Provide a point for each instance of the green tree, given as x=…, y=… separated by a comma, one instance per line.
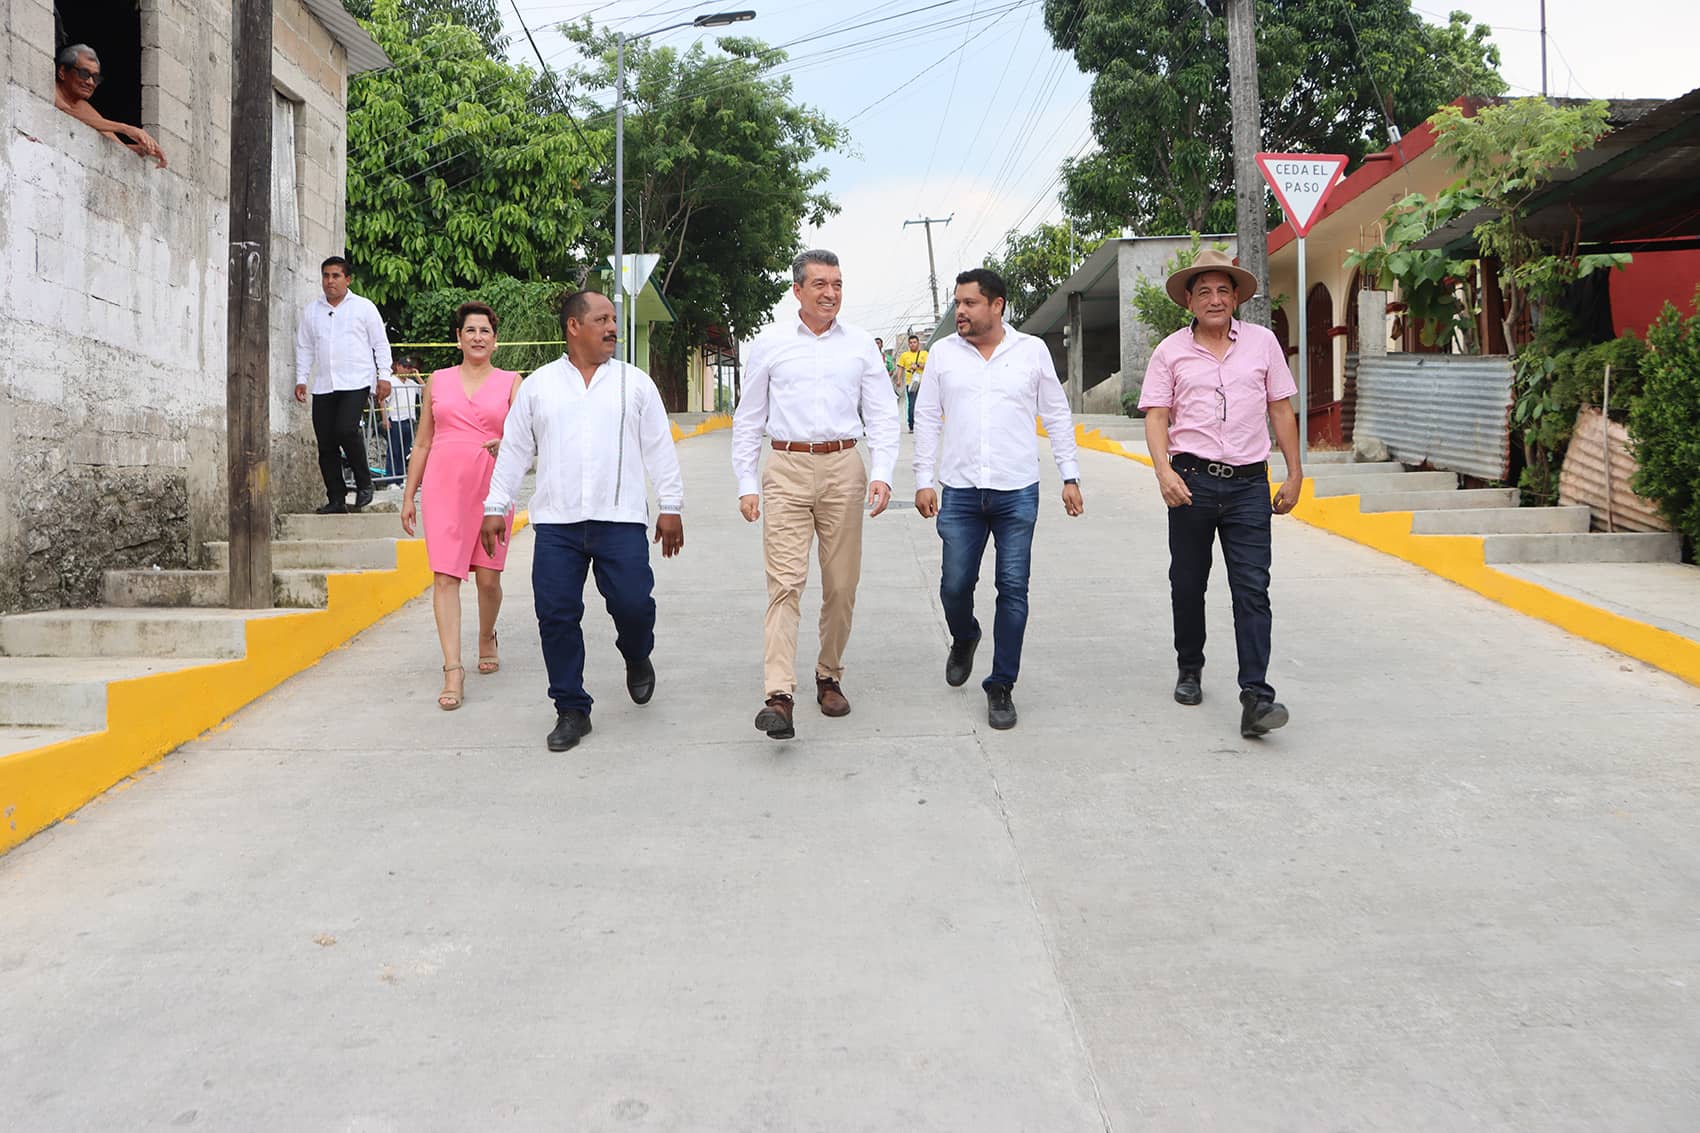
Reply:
x=455, y=174
x=1034, y=263
x=1159, y=96
x=718, y=181
x=1665, y=421
x=484, y=17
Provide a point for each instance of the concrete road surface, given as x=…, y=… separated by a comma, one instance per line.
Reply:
x=1460, y=891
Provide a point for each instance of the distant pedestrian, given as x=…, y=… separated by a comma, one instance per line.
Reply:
x=460, y=433
x=597, y=428
x=1211, y=390
x=341, y=345
x=815, y=386
x=911, y=364
x=400, y=416
x=974, y=438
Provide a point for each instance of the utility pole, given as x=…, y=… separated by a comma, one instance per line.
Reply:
x=247, y=390
x=1251, y=217
x=1543, y=48
x=932, y=271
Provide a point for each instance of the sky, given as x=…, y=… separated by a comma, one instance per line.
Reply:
x=962, y=109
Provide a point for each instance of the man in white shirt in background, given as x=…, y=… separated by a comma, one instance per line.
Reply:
x=974, y=436
x=341, y=345
x=596, y=427
x=815, y=386
x=401, y=413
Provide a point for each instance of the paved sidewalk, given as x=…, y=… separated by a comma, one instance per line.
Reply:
x=1460, y=890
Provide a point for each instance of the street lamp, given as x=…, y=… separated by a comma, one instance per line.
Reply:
x=710, y=20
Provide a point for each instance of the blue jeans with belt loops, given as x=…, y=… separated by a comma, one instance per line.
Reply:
x=967, y=517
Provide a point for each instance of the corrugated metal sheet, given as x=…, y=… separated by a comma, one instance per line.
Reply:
x=1583, y=477
x=1349, y=401
x=1449, y=410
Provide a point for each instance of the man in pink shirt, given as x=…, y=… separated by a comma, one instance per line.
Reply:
x=1210, y=391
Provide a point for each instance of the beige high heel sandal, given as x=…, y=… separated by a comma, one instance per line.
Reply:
x=449, y=700
x=491, y=664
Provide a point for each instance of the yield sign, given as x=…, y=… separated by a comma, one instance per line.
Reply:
x=1302, y=181
x=637, y=267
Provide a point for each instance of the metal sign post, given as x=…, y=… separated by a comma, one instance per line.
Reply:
x=1301, y=182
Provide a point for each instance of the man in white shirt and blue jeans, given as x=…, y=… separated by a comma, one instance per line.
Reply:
x=814, y=385
x=974, y=437
x=596, y=427
x=341, y=345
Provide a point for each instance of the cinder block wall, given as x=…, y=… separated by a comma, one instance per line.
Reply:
x=113, y=280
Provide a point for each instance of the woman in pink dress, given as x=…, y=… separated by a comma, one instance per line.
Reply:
x=454, y=451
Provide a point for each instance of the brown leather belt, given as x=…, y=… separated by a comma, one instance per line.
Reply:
x=817, y=447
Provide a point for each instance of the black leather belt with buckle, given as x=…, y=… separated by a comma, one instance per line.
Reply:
x=1186, y=462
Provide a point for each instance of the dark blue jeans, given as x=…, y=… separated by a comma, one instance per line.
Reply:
x=1236, y=512
x=397, y=450
x=618, y=553
x=966, y=517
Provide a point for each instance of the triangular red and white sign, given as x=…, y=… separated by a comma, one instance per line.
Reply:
x=1302, y=181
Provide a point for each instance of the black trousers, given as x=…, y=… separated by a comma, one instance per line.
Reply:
x=1236, y=512
x=336, y=425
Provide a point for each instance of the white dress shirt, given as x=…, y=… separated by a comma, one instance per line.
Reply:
x=984, y=409
x=803, y=386
x=404, y=398
x=593, y=444
x=341, y=347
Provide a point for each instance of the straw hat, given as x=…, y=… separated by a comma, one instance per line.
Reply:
x=1245, y=284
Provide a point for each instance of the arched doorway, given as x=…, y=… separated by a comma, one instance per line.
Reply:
x=1322, y=411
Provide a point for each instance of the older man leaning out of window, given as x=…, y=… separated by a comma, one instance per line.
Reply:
x=78, y=76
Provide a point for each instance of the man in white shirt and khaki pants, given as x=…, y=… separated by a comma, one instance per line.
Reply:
x=596, y=427
x=974, y=436
x=815, y=386
x=341, y=345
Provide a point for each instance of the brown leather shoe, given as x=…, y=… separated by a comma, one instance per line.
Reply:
x=775, y=718
x=831, y=698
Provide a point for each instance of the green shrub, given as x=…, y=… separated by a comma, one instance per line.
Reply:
x=1130, y=405
x=1664, y=421
x=529, y=312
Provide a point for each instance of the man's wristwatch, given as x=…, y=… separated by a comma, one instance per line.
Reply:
x=1072, y=480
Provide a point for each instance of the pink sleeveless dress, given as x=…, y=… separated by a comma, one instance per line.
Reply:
x=457, y=472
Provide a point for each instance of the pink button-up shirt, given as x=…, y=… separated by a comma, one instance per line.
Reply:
x=1219, y=408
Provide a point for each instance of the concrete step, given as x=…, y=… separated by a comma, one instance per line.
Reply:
x=319, y=554
x=1501, y=521
x=1354, y=484
x=1278, y=470
x=291, y=589
x=1436, y=500
x=1595, y=547
x=70, y=692
x=27, y=738
x=355, y=525
x=1328, y=456
x=134, y=632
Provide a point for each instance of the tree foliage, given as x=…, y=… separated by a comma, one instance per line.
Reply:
x=1160, y=108
x=718, y=180
x=529, y=313
x=484, y=17
x=1036, y=262
x=456, y=175
x=1438, y=290
x=1665, y=421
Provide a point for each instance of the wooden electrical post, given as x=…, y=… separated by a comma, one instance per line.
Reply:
x=1250, y=216
x=248, y=337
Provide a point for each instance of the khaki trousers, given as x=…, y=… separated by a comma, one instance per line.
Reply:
x=805, y=497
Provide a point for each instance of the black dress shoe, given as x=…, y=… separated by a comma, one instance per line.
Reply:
x=338, y=508
x=1000, y=709
x=1260, y=716
x=960, y=664
x=362, y=497
x=775, y=718
x=570, y=727
x=640, y=680
x=1187, y=687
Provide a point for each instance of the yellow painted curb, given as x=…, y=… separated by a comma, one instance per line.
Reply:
x=1461, y=559
x=718, y=421
x=149, y=717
